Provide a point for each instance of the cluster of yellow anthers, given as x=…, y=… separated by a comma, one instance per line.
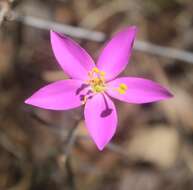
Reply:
x=98, y=83
x=97, y=80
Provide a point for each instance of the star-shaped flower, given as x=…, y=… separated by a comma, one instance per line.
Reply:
x=92, y=85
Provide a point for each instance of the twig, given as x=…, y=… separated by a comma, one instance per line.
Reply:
x=10, y=146
x=64, y=159
x=71, y=137
x=70, y=174
x=69, y=142
x=43, y=24
x=168, y=52
x=96, y=36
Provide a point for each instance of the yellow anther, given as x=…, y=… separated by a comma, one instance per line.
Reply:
x=95, y=70
x=122, y=88
x=96, y=80
x=121, y=91
x=102, y=73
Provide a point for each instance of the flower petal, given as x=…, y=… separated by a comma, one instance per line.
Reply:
x=116, y=53
x=139, y=90
x=74, y=60
x=60, y=95
x=101, y=119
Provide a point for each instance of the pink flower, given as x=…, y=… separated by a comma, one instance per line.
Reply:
x=93, y=85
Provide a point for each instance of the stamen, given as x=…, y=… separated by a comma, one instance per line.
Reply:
x=121, y=91
x=102, y=73
x=97, y=80
x=95, y=70
x=122, y=88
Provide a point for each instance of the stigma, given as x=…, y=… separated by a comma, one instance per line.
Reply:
x=97, y=80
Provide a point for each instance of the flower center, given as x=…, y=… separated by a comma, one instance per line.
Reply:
x=97, y=80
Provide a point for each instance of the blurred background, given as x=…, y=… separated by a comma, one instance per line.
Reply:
x=153, y=146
